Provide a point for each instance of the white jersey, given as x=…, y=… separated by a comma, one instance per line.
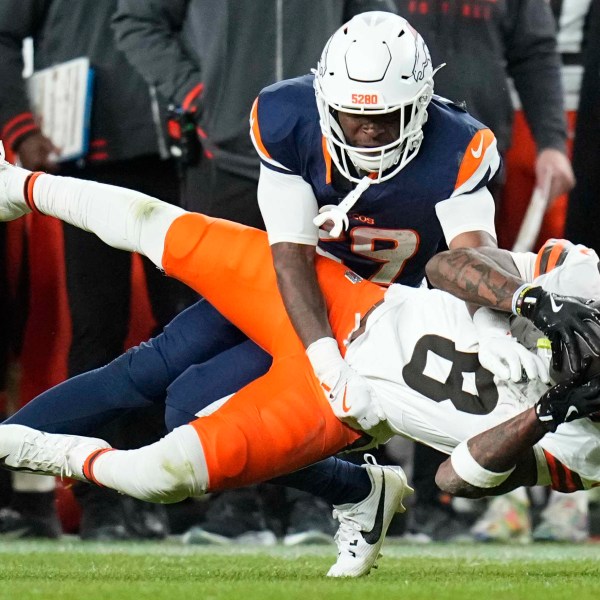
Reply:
x=419, y=351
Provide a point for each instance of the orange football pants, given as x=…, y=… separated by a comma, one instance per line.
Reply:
x=282, y=421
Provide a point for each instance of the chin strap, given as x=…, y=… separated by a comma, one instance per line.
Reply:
x=337, y=214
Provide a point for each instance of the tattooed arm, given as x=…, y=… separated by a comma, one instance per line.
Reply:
x=483, y=276
x=487, y=279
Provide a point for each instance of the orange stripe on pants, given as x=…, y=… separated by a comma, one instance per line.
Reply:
x=282, y=421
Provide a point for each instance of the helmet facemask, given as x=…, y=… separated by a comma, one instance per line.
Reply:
x=375, y=64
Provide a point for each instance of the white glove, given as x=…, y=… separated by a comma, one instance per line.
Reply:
x=501, y=353
x=352, y=399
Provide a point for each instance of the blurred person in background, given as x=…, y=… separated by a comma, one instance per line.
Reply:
x=584, y=203
x=540, y=514
x=566, y=517
x=127, y=148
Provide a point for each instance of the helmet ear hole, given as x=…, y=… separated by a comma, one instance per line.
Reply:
x=377, y=64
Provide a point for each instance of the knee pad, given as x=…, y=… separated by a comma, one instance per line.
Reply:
x=227, y=451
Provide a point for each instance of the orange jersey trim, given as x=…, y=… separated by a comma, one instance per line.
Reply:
x=552, y=254
x=327, y=159
x=474, y=155
x=256, y=129
x=563, y=479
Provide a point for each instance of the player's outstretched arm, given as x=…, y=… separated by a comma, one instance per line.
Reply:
x=490, y=278
x=501, y=459
x=485, y=277
x=487, y=274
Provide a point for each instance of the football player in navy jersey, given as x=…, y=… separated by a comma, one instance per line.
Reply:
x=401, y=169
x=403, y=341
x=362, y=162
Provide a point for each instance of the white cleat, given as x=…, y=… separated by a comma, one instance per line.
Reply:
x=363, y=525
x=33, y=451
x=12, y=182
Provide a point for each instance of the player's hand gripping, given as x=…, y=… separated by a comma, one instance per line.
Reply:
x=501, y=353
x=569, y=400
x=352, y=399
x=562, y=319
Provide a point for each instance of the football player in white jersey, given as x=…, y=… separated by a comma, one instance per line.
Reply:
x=530, y=448
x=418, y=348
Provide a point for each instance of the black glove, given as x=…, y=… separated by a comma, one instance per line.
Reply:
x=569, y=400
x=562, y=319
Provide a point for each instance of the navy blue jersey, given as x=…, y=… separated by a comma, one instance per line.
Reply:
x=394, y=227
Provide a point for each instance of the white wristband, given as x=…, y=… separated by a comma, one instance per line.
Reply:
x=469, y=470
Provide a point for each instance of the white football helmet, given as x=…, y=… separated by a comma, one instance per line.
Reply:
x=376, y=63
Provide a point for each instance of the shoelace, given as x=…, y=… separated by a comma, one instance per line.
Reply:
x=47, y=455
x=348, y=527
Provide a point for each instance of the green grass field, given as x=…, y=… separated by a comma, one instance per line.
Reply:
x=72, y=570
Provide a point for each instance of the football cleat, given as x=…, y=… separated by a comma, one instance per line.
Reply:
x=566, y=518
x=233, y=517
x=363, y=525
x=12, y=182
x=506, y=519
x=310, y=522
x=32, y=451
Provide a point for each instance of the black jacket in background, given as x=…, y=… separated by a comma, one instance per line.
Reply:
x=482, y=43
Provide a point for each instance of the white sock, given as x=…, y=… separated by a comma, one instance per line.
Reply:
x=122, y=218
x=167, y=471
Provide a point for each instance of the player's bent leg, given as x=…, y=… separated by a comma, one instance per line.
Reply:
x=122, y=218
x=363, y=525
x=232, y=267
x=167, y=471
x=277, y=424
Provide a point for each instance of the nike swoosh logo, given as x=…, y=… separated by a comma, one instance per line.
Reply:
x=477, y=153
x=372, y=537
x=572, y=411
x=555, y=307
x=345, y=407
